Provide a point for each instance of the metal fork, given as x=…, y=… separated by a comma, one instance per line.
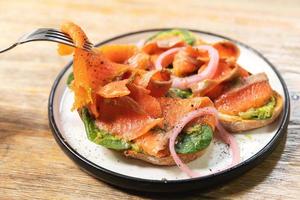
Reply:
x=47, y=34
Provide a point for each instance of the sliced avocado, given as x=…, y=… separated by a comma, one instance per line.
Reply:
x=99, y=136
x=196, y=138
x=183, y=94
x=185, y=35
x=70, y=79
x=263, y=112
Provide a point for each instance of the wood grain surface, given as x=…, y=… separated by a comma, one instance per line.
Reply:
x=32, y=166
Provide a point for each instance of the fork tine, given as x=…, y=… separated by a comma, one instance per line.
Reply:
x=59, y=34
x=44, y=32
x=64, y=34
x=60, y=40
x=56, y=32
x=87, y=47
x=67, y=41
x=48, y=34
x=52, y=39
x=59, y=37
x=88, y=42
x=53, y=35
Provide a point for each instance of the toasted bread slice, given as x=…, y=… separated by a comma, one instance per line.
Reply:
x=166, y=161
x=235, y=123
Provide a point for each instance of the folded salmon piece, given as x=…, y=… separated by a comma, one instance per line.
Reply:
x=118, y=53
x=155, y=142
x=157, y=47
x=126, y=54
x=140, y=60
x=92, y=71
x=252, y=92
x=185, y=62
x=77, y=35
x=147, y=102
x=95, y=74
x=124, y=118
x=227, y=49
x=158, y=82
x=190, y=60
x=226, y=71
x=115, y=89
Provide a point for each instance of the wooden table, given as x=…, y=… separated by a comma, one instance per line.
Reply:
x=32, y=166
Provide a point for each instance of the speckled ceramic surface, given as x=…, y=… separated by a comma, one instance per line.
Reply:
x=251, y=143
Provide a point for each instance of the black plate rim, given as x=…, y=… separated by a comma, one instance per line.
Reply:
x=90, y=167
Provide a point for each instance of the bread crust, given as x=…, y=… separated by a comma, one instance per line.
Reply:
x=237, y=124
x=164, y=161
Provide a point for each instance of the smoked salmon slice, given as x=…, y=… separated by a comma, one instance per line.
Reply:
x=253, y=93
x=125, y=118
x=91, y=72
x=227, y=70
x=147, y=102
x=227, y=49
x=158, y=82
x=64, y=50
x=185, y=62
x=118, y=53
x=175, y=108
x=157, y=47
x=140, y=60
x=77, y=35
x=155, y=141
x=114, y=89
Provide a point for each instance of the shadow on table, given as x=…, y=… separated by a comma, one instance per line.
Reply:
x=240, y=185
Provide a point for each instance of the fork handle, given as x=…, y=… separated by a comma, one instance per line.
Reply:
x=10, y=47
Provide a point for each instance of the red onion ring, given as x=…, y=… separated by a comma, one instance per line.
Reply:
x=224, y=135
x=161, y=57
x=208, y=72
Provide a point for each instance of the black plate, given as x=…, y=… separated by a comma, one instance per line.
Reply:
x=139, y=184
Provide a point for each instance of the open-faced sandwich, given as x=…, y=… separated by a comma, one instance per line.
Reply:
x=164, y=100
x=244, y=101
x=248, y=103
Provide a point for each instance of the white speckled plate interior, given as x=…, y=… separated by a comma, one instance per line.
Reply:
x=217, y=155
